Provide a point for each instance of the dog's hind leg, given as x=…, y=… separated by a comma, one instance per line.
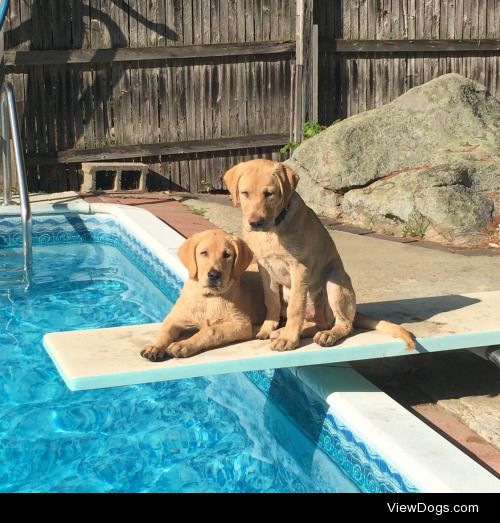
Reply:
x=342, y=300
x=318, y=314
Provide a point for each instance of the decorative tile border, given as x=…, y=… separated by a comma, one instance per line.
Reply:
x=357, y=460
x=93, y=228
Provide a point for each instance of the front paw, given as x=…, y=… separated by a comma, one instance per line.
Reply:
x=154, y=353
x=182, y=349
x=267, y=327
x=276, y=334
x=326, y=338
x=285, y=342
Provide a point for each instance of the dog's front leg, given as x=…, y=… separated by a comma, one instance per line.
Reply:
x=289, y=336
x=273, y=304
x=170, y=330
x=210, y=337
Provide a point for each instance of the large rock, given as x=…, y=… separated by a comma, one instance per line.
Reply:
x=426, y=164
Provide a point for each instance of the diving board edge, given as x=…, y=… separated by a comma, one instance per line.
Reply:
x=201, y=365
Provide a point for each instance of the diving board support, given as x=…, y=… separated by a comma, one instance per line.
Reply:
x=110, y=357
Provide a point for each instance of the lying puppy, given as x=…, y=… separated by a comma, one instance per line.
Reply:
x=213, y=300
x=300, y=267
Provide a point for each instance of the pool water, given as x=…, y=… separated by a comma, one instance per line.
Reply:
x=216, y=434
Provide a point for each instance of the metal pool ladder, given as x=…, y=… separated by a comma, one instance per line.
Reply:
x=10, y=128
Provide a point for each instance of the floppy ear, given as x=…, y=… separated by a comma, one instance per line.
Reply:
x=244, y=256
x=187, y=255
x=288, y=181
x=231, y=179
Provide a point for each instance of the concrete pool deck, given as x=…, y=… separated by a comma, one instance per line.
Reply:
x=441, y=389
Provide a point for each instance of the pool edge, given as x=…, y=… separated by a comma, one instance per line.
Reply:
x=431, y=462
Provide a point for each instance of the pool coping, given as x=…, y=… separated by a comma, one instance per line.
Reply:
x=425, y=458
x=160, y=238
x=406, y=443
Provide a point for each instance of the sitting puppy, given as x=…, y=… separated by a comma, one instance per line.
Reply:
x=302, y=273
x=213, y=300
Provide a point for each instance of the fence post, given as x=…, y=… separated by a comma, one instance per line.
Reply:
x=303, y=92
x=299, y=64
x=314, y=74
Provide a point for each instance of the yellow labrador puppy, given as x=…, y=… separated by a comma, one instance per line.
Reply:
x=300, y=267
x=215, y=299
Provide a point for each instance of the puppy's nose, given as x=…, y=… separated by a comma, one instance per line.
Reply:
x=214, y=275
x=255, y=223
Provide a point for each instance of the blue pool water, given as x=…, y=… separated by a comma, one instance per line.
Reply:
x=217, y=434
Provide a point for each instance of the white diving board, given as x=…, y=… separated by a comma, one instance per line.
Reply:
x=110, y=357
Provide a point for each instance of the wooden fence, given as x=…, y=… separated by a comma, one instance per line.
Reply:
x=191, y=87
x=188, y=86
x=371, y=51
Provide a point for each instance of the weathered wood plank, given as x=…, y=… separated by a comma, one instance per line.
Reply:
x=187, y=22
x=266, y=20
x=15, y=59
x=297, y=106
x=314, y=73
x=160, y=149
x=232, y=21
x=205, y=21
x=380, y=88
x=426, y=34
x=257, y=16
x=409, y=46
x=227, y=108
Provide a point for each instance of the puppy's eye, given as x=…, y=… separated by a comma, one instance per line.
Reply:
x=245, y=194
x=226, y=254
x=204, y=253
x=268, y=194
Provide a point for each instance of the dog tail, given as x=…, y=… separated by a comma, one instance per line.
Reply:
x=386, y=327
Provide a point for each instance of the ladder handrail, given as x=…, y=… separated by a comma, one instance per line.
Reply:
x=8, y=122
x=4, y=7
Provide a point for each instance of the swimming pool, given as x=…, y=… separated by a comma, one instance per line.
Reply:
x=254, y=432
x=200, y=434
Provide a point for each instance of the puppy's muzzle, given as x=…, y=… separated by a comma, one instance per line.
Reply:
x=214, y=278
